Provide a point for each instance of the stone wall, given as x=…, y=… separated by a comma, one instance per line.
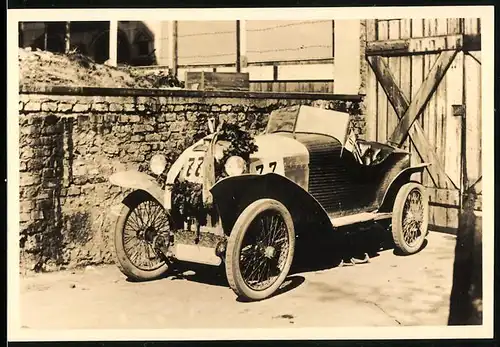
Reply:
x=70, y=144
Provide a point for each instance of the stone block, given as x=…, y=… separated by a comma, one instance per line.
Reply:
x=129, y=107
x=177, y=126
x=114, y=107
x=49, y=106
x=241, y=117
x=74, y=190
x=32, y=106
x=25, y=206
x=134, y=119
x=25, y=216
x=153, y=137
x=100, y=107
x=137, y=138
x=28, y=179
x=170, y=117
x=78, y=108
x=64, y=107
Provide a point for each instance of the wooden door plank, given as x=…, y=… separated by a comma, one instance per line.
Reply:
x=471, y=25
x=473, y=122
x=453, y=131
x=371, y=84
x=382, y=34
x=405, y=84
x=419, y=45
x=439, y=102
x=417, y=76
x=423, y=95
x=453, y=26
x=443, y=196
x=395, y=67
x=400, y=103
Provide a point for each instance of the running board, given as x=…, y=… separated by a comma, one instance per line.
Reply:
x=196, y=254
x=358, y=218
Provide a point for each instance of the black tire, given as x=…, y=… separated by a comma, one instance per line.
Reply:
x=409, y=227
x=272, y=250
x=127, y=221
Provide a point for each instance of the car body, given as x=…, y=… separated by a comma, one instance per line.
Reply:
x=308, y=172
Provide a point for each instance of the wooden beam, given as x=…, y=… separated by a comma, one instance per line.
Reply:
x=238, y=46
x=241, y=45
x=172, y=47
x=113, y=42
x=67, y=37
x=422, y=97
x=400, y=103
x=21, y=34
x=45, y=36
x=423, y=45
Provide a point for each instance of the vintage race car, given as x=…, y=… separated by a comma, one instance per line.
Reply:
x=307, y=173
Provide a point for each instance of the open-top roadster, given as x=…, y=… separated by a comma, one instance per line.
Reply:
x=305, y=172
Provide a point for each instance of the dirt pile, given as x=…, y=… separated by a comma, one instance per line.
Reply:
x=55, y=69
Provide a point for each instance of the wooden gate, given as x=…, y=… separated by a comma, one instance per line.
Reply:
x=424, y=94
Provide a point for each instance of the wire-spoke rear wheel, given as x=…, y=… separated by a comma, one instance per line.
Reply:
x=410, y=218
x=142, y=221
x=260, y=249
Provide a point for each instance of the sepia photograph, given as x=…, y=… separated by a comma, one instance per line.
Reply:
x=250, y=173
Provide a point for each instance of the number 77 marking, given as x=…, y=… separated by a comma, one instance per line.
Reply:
x=272, y=165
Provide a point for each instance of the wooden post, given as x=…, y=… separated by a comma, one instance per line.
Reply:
x=238, y=45
x=347, y=78
x=45, y=36
x=371, y=87
x=241, y=45
x=21, y=35
x=173, y=47
x=67, y=38
x=113, y=42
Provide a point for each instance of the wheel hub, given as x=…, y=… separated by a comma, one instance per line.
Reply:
x=147, y=234
x=269, y=252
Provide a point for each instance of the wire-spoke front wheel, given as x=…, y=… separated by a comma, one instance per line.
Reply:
x=141, y=222
x=260, y=249
x=410, y=218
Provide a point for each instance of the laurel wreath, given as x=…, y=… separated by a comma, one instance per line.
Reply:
x=187, y=197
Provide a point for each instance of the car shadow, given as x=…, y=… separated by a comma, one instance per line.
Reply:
x=320, y=251
x=328, y=250
x=290, y=283
x=398, y=252
x=199, y=273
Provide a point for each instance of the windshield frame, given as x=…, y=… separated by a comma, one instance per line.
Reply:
x=287, y=113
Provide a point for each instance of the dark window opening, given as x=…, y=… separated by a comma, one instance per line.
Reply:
x=142, y=47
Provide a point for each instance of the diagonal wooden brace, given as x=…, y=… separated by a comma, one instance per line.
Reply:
x=401, y=106
x=422, y=96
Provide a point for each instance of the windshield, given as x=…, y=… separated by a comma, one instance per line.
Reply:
x=282, y=120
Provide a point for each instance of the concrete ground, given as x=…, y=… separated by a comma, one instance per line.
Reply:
x=390, y=290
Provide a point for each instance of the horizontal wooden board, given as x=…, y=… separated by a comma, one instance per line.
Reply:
x=444, y=196
x=292, y=86
x=217, y=80
x=423, y=45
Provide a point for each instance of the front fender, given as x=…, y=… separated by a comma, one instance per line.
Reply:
x=403, y=177
x=231, y=196
x=139, y=181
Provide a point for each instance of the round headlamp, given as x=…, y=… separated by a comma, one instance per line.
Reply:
x=235, y=166
x=218, y=152
x=158, y=163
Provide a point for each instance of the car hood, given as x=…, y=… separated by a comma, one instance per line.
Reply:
x=278, y=145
